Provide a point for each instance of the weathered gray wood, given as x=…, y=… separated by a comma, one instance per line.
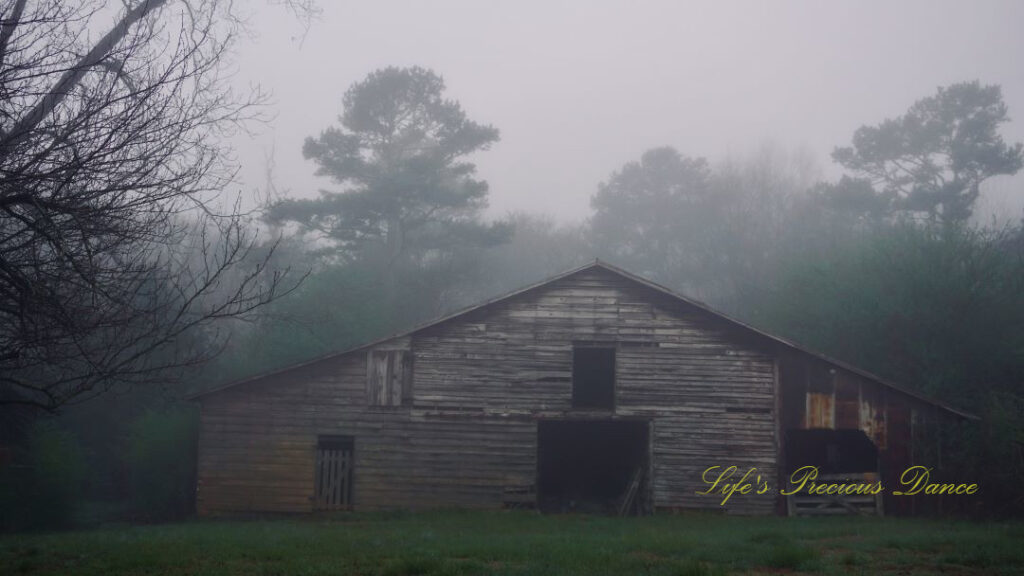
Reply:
x=395, y=369
x=448, y=416
x=318, y=482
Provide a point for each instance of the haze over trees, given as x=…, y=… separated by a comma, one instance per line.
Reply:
x=648, y=212
x=932, y=160
x=409, y=209
x=114, y=261
x=409, y=193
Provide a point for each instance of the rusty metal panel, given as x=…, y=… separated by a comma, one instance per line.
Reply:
x=872, y=414
x=847, y=401
x=819, y=399
x=820, y=410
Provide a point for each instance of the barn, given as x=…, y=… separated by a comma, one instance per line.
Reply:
x=593, y=390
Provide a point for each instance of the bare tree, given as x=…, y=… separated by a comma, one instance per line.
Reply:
x=114, y=263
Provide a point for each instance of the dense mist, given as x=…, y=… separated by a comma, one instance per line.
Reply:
x=195, y=193
x=579, y=88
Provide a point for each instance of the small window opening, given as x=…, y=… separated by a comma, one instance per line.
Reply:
x=335, y=462
x=389, y=377
x=593, y=377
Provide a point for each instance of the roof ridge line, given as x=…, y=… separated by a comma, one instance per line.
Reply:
x=596, y=263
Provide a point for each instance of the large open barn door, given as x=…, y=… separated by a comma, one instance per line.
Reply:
x=593, y=466
x=334, y=467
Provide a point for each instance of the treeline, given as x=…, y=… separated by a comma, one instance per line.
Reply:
x=887, y=268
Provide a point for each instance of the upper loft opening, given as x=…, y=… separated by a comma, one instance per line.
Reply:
x=593, y=377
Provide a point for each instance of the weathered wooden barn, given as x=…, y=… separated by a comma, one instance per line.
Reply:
x=592, y=390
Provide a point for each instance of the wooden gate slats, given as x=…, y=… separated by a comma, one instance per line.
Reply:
x=333, y=478
x=826, y=504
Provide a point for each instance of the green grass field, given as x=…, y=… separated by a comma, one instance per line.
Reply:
x=467, y=543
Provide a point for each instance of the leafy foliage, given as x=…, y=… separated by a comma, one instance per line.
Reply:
x=400, y=154
x=43, y=491
x=715, y=235
x=936, y=307
x=337, y=307
x=646, y=214
x=161, y=459
x=540, y=247
x=931, y=160
x=935, y=303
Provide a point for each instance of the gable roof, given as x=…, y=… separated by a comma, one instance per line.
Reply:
x=600, y=265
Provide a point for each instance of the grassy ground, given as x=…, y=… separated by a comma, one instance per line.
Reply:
x=465, y=543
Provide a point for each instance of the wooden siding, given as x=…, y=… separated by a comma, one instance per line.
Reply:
x=481, y=382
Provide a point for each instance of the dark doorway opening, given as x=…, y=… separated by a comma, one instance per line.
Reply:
x=593, y=377
x=832, y=451
x=844, y=456
x=597, y=466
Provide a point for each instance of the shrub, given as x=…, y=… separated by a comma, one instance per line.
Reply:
x=161, y=462
x=41, y=488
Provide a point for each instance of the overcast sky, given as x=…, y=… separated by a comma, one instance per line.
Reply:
x=579, y=88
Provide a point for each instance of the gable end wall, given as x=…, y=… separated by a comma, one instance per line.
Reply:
x=481, y=382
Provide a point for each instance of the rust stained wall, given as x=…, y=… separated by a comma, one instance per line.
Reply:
x=847, y=402
x=820, y=411
x=905, y=429
x=872, y=414
x=831, y=398
x=816, y=396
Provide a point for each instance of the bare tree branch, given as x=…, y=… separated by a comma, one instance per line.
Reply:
x=115, y=264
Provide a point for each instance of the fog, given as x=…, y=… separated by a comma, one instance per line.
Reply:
x=579, y=88
x=842, y=176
